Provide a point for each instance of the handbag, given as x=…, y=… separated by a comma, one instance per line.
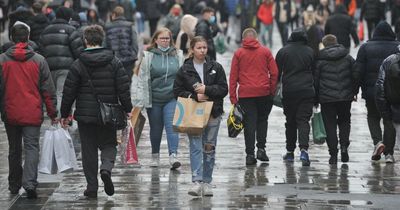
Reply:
x=235, y=121
x=112, y=115
x=318, y=128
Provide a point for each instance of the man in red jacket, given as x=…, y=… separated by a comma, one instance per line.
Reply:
x=25, y=85
x=254, y=70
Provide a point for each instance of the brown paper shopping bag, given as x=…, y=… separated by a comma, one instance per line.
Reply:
x=137, y=122
x=190, y=116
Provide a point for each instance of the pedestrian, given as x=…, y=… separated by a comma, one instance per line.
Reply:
x=209, y=77
x=173, y=20
x=373, y=11
x=336, y=89
x=387, y=95
x=369, y=59
x=25, y=74
x=285, y=10
x=186, y=33
x=254, y=76
x=296, y=61
x=38, y=22
x=341, y=25
x=265, y=15
x=121, y=37
x=157, y=73
x=207, y=28
x=107, y=74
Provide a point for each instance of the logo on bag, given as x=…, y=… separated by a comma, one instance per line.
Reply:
x=179, y=107
x=200, y=111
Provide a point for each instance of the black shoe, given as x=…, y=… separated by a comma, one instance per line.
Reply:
x=31, y=194
x=90, y=194
x=289, y=157
x=14, y=190
x=108, y=184
x=344, y=154
x=261, y=155
x=333, y=160
x=250, y=160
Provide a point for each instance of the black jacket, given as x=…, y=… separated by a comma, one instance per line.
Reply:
x=77, y=44
x=370, y=57
x=55, y=45
x=108, y=77
x=214, y=79
x=37, y=23
x=121, y=37
x=341, y=25
x=208, y=31
x=296, y=62
x=334, y=75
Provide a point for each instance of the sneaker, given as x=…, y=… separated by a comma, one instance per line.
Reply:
x=196, y=189
x=250, y=160
x=344, y=155
x=389, y=158
x=108, y=184
x=333, y=159
x=289, y=156
x=90, y=194
x=31, y=194
x=304, y=158
x=207, y=189
x=379, y=147
x=14, y=190
x=261, y=155
x=155, y=160
x=173, y=161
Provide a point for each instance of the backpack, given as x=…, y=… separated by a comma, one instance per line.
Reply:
x=392, y=82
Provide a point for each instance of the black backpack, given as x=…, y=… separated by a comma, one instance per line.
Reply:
x=392, y=82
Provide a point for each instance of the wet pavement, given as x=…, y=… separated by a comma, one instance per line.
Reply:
x=359, y=184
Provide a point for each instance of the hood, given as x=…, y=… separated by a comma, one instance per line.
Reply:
x=20, y=52
x=188, y=23
x=40, y=18
x=334, y=52
x=171, y=51
x=298, y=35
x=383, y=31
x=96, y=57
x=250, y=43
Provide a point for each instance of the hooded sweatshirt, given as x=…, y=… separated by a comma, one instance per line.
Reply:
x=25, y=79
x=254, y=70
x=164, y=66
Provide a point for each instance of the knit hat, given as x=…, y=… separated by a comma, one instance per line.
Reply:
x=64, y=13
x=329, y=40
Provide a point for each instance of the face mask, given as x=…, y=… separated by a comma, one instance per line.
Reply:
x=212, y=19
x=164, y=49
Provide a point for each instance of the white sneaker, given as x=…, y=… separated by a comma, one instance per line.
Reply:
x=389, y=158
x=196, y=189
x=207, y=189
x=173, y=161
x=155, y=160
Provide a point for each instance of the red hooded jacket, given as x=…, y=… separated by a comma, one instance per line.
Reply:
x=25, y=84
x=264, y=13
x=254, y=70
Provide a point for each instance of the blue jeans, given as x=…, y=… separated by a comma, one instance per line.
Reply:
x=266, y=30
x=202, y=160
x=160, y=116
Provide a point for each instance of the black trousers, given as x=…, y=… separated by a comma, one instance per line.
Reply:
x=336, y=114
x=374, y=125
x=298, y=112
x=283, y=29
x=256, y=110
x=94, y=137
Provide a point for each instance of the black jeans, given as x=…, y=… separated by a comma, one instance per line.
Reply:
x=374, y=125
x=336, y=114
x=94, y=137
x=283, y=29
x=298, y=112
x=256, y=110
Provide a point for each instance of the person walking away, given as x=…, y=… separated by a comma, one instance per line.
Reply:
x=265, y=15
x=211, y=86
x=296, y=62
x=25, y=74
x=109, y=78
x=373, y=11
x=254, y=76
x=158, y=70
x=336, y=89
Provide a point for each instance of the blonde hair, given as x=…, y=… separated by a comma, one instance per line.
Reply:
x=153, y=43
x=248, y=31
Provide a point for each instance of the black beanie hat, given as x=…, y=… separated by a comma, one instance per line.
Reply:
x=64, y=13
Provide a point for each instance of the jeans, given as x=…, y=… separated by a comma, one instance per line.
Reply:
x=17, y=176
x=374, y=125
x=336, y=114
x=59, y=77
x=298, y=112
x=256, y=111
x=160, y=116
x=202, y=152
x=93, y=138
x=266, y=30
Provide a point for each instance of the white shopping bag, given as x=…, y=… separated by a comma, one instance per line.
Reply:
x=47, y=162
x=64, y=150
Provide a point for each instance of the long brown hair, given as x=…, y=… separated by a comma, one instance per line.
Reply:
x=153, y=43
x=193, y=43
